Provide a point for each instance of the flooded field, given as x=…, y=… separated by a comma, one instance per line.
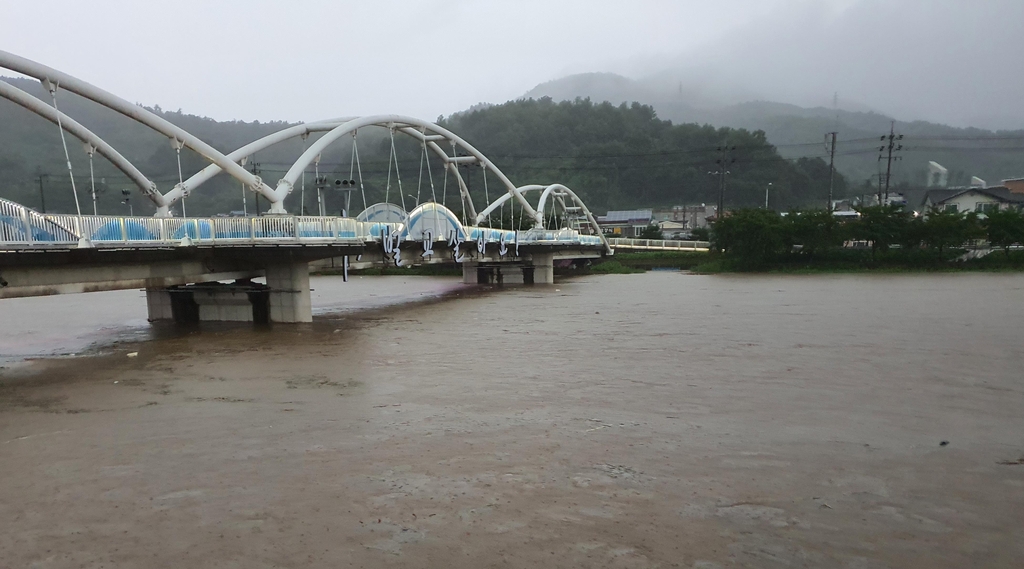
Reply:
x=653, y=420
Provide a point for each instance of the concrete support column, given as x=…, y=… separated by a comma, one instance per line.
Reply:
x=510, y=274
x=543, y=268
x=469, y=273
x=158, y=304
x=224, y=305
x=289, y=293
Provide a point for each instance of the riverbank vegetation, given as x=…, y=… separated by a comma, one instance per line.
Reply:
x=882, y=238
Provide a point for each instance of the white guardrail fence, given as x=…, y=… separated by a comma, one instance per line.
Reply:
x=658, y=244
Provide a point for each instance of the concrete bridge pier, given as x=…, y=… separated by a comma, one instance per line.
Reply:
x=289, y=292
x=543, y=265
x=241, y=301
x=471, y=273
x=494, y=273
x=285, y=298
x=540, y=270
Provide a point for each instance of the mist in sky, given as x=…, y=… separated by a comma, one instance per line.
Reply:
x=942, y=60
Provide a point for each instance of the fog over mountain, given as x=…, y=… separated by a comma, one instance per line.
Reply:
x=944, y=61
x=940, y=69
x=948, y=61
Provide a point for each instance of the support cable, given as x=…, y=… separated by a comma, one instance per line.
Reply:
x=487, y=197
x=302, y=194
x=359, y=168
x=92, y=177
x=430, y=174
x=391, y=157
x=398, y=174
x=319, y=186
x=245, y=211
x=419, y=184
x=53, y=94
x=181, y=179
x=444, y=190
x=458, y=176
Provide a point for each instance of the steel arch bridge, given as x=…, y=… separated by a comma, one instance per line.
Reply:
x=427, y=221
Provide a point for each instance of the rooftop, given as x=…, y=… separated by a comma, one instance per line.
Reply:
x=627, y=215
x=1000, y=193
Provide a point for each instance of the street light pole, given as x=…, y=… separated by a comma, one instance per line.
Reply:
x=766, y=194
x=128, y=201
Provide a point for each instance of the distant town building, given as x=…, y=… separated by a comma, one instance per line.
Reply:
x=691, y=216
x=626, y=223
x=1015, y=185
x=673, y=229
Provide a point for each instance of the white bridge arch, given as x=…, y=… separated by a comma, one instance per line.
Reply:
x=430, y=135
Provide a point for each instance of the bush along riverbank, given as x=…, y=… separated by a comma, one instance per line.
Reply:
x=882, y=238
x=861, y=261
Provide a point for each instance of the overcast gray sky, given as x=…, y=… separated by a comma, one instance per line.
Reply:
x=309, y=59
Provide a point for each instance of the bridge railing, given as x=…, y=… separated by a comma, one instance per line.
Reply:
x=22, y=227
x=25, y=227
x=558, y=236
x=659, y=244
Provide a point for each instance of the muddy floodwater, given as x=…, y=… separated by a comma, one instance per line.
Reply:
x=654, y=420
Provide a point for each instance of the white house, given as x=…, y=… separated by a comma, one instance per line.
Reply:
x=978, y=200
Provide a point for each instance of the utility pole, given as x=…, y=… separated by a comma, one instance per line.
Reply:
x=723, y=162
x=892, y=146
x=255, y=168
x=831, y=168
x=42, y=194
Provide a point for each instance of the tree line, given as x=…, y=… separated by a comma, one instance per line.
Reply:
x=759, y=237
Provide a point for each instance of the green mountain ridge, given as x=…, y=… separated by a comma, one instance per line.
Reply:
x=800, y=132
x=613, y=156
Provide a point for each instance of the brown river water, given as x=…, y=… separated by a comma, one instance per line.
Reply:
x=655, y=420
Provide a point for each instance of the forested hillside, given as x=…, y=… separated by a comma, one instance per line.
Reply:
x=625, y=156
x=614, y=156
x=799, y=132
